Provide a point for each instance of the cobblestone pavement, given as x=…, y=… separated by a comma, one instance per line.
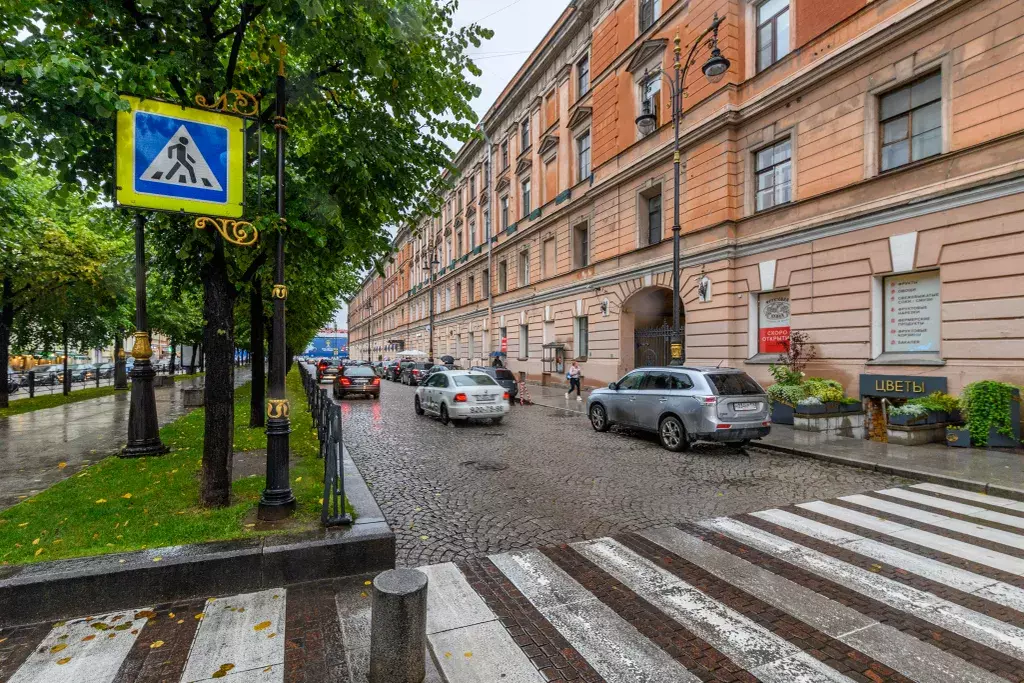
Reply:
x=544, y=476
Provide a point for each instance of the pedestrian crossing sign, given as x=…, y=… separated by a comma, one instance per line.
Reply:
x=174, y=158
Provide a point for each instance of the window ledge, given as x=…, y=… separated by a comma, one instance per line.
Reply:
x=891, y=358
x=763, y=359
x=521, y=358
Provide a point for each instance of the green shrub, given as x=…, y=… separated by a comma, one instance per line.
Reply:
x=849, y=400
x=785, y=375
x=909, y=409
x=830, y=394
x=816, y=386
x=790, y=394
x=937, y=402
x=987, y=404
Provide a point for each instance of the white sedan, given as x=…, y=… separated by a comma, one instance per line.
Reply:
x=460, y=395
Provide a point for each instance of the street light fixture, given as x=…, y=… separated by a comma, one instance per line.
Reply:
x=714, y=70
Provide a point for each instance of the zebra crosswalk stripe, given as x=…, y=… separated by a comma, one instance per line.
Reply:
x=984, y=498
x=952, y=506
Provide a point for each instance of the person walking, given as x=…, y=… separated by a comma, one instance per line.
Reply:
x=574, y=380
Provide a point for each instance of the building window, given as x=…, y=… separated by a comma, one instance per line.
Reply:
x=504, y=155
x=548, y=257
x=472, y=346
x=487, y=173
x=503, y=203
x=471, y=288
x=485, y=282
x=583, y=156
x=458, y=244
x=524, y=342
x=472, y=188
x=912, y=314
x=458, y=294
x=581, y=337
x=646, y=14
x=650, y=97
x=911, y=122
x=773, y=322
x=487, y=224
x=650, y=216
x=458, y=200
x=503, y=339
x=526, y=197
x=502, y=277
x=524, y=140
x=773, y=171
x=772, y=32
x=581, y=245
x=524, y=268
x=582, y=76
x=472, y=234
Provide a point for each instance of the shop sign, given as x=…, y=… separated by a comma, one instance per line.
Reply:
x=773, y=322
x=900, y=386
x=504, y=344
x=912, y=313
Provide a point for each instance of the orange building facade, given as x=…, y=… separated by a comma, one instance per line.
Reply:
x=857, y=175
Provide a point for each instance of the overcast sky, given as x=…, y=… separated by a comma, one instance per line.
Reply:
x=518, y=26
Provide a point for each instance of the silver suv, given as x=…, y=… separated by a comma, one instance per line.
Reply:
x=683, y=405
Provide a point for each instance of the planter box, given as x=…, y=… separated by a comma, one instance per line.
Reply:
x=193, y=397
x=905, y=420
x=917, y=435
x=809, y=409
x=850, y=408
x=782, y=413
x=958, y=438
x=832, y=406
x=840, y=424
x=997, y=440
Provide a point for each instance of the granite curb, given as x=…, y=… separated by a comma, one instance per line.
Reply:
x=54, y=590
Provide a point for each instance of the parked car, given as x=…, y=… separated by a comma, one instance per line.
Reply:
x=413, y=373
x=683, y=405
x=458, y=396
x=356, y=379
x=47, y=375
x=326, y=370
x=12, y=382
x=106, y=370
x=506, y=378
x=395, y=371
x=387, y=369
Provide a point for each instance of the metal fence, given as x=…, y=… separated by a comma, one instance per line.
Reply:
x=327, y=423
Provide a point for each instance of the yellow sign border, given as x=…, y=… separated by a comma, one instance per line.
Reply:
x=125, y=163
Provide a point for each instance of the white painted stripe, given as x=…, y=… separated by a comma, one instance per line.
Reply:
x=245, y=632
x=481, y=652
x=451, y=601
x=972, y=496
x=940, y=572
x=965, y=622
x=958, y=508
x=912, y=657
x=746, y=643
x=950, y=546
x=90, y=649
x=610, y=644
x=941, y=521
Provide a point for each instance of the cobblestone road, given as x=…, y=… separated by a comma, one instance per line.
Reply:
x=544, y=476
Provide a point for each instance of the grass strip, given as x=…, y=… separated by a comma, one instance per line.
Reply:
x=118, y=505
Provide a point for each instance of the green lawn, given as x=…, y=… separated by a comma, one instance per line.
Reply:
x=27, y=405
x=130, y=504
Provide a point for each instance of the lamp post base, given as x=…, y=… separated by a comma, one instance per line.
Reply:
x=277, y=500
x=143, y=429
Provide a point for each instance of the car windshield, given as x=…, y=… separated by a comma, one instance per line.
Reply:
x=504, y=374
x=734, y=384
x=473, y=381
x=359, y=371
x=420, y=366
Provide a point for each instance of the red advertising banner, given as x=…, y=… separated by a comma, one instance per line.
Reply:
x=773, y=322
x=504, y=344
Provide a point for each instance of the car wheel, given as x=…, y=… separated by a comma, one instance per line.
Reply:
x=672, y=434
x=416, y=404
x=599, y=418
x=444, y=415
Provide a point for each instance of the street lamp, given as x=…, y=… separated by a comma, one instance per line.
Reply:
x=714, y=70
x=430, y=325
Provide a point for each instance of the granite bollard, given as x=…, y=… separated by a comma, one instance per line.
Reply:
x=398, y=627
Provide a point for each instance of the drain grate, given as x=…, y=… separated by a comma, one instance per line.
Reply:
x=486, y=465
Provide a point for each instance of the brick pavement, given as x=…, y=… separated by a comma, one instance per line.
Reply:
x=545, y=477
x=726, y=599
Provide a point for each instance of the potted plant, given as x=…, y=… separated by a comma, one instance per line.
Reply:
x=992, y=411
x=908, y=414
x=850, y=405
x=785, y=393
x=939, y=406
x=812, y=405
x=958, y=437
x=831, y=396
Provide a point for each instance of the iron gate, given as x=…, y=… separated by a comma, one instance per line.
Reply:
x=653, y=346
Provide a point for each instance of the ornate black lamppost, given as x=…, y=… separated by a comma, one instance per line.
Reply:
x=714, y=70
x=430, y=325
x=277, y=501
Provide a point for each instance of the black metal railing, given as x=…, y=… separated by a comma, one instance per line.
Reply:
x=327, y=423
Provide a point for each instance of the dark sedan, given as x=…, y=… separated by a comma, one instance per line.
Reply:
x=413, y=373
x=506, y=378
x=357, y=379
x=327, y=370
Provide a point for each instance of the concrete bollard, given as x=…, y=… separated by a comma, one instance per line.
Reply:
x=398, y=627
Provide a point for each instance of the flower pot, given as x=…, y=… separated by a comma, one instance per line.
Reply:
x=782, y=414
x=832, y=406
x=850, y=407
x=997, y=440
x=937, y=417
x=958, y=437
x=809, y=409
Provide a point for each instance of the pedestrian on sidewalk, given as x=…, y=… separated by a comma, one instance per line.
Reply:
x=574, y=380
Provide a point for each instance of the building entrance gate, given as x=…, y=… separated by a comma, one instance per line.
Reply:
x=653, y=346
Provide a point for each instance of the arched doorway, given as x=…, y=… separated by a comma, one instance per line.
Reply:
x=645, y=328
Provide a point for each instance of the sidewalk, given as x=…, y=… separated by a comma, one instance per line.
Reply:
x=996, y=472
x=34, y=444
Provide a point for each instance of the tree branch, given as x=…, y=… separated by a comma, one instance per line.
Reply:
x=248, y=14
x=254, y=266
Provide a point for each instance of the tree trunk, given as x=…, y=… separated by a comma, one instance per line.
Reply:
x=202, y=352
x=67, y=373
x=257, y=416
x=174, y=356
x=218, y=341
x=6, y=323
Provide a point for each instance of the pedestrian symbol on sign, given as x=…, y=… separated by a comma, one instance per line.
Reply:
x=181, y=162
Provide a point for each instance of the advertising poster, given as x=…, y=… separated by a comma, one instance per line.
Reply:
x=912, y=313
x=773, y=322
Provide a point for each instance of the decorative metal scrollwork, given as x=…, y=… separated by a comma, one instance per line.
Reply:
x=239, y=233
x=277, y=408
x=279, y=292
x=244, y=103
x=141, y=350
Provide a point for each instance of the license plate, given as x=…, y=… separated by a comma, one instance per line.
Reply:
x=746, y=406
x=360, y=381
x=485, y=409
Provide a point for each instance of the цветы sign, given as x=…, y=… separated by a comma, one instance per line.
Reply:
x=900, y=386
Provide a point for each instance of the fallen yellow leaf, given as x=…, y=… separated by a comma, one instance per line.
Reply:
x=155, y=644
x=467, y=655
x=61, y=465
x=127, y=495
x=64, y=661
x=89, y=637
x=171, y=615
x=200, y=615
x=39, y=551
x=298, y=479
x=23, y=524
x=58, y=647
x=367, y=583
x=102, y=500
x=35, y=542
x=260, y=626
x=157, y=558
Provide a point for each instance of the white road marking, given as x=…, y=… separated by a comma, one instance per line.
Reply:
x=481, y=652
x=940, y=572
x=965, y=622
x=90, y=649
x=958, y=508
x=972, y=496
x=927, y=539
x=610, y=644
x=451, y=601
x=912, y=657
x=241, y=635
x=941, y=521
x=746, y=643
